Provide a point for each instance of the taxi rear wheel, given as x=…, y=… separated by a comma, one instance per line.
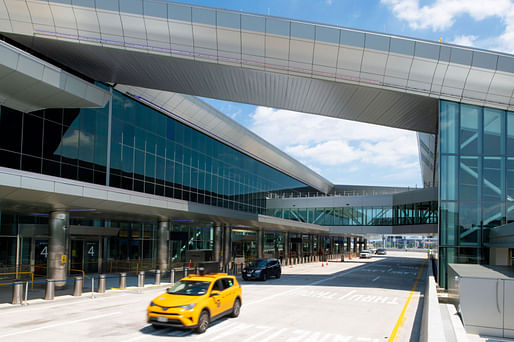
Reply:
x=236, y=308
x=203, y=322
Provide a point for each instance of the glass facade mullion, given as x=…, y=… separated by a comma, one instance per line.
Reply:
x=476, y=180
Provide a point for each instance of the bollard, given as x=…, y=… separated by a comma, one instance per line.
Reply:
x=77, y=287
x=101, y=283
x=50, y=289
x=157, y=277
x=123, y=280
x=17, y=291
x=172, y=276
x=185, y=271
x=26, y=292
x=141, y=279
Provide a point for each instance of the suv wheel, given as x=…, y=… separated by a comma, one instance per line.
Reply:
x=264, y=276
x=203, y=322
x=236, y=308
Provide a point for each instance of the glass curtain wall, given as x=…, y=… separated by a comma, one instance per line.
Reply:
x=476, y=180
x=150, y=152
x=414, y=213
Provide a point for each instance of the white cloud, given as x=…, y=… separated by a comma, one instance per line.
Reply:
x=442, y=14
x=335, y=148
x=465, y=40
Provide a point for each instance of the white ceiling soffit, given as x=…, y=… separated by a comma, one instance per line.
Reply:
x=203, y=117
x=262, y=60
x=22, y=191
x=28, y=83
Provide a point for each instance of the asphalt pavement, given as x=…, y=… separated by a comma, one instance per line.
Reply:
x=377, y=299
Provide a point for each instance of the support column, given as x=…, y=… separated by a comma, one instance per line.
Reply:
x=162, y=246
x=217, y=243
x=58, y=236
x=299, y=246
x=360, y=245
x=355, y=245
x=311, y=245
x=286, y=248
x=348, y=244
x=365, y=243
x=260, y=243
x=227, y=246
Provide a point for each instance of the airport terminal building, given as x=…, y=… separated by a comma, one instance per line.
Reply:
x=109, y=160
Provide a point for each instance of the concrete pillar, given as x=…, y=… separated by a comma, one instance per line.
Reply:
x=365, y=244
x=286, y=246
x=360, y=244
x=348, y=244
x=299, y=245
x=162, y=246
x=260, y=243
x=355, y=245
x=227, y=246
x=58, y=236
x=217, y=243
x=311, y=244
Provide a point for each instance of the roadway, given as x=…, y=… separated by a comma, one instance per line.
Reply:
x=360, y=300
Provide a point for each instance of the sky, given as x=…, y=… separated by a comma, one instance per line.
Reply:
x=346, y=152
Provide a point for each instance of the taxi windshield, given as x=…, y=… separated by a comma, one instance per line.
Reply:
x=190, y=288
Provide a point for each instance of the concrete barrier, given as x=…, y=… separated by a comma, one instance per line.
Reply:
x=432, y=329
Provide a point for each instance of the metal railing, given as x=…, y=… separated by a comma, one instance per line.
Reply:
x=17, y=277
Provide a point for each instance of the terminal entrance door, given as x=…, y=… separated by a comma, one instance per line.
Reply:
x=84, y=255
x=40, y=257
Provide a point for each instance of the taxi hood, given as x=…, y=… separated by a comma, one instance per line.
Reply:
x=169, y=300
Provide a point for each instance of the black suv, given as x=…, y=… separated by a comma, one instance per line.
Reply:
x=262, y=269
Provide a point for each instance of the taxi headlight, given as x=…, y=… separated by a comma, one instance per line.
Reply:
x=188, y=307
x=153, y=304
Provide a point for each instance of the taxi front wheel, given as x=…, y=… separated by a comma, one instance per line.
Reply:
x=203, y=322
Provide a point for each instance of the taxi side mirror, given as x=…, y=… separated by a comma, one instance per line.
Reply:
x=215, y=293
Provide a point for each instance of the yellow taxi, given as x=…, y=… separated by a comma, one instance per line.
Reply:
x=195, y=301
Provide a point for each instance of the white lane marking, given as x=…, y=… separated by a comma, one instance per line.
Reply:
x=276, y=333
x=263, y=331
x=59, y=324
x=299, y=335
x=348, y=294
x=232, y=330
x=375, y=279
x=214, y=329
x=337, y=275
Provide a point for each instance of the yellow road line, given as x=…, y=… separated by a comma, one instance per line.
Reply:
x=401, y=319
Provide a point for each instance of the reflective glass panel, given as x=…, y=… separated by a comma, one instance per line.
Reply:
x=470, y=129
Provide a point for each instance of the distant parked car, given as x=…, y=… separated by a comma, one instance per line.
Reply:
x=262, y=269
x=365, y=254
x=381, y=251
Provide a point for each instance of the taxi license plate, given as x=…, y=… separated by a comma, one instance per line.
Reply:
x=162, y=319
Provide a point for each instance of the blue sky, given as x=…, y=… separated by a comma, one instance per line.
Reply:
x=347, y=152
